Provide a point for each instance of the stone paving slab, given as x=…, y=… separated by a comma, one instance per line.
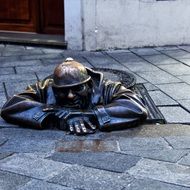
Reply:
x=185, y=61
x=5, y=155
x=166, y=48
x=180, y=116
x=185, y=78
x=185, y=160
x=5, y=60
x=160, y=59
x=18, y=87
x=162, y=171
x=22, y=52
x=176, y=69
x=140, y=67
x=38, y=68
x=178, y=91
x=7, y=71
x=2, y=99
x=158, y=77
x=124, y=57
x=11, y=47
x=179, y=142
x=186, y=48
x=103, y=61
x=20, y=63
x=89, y=179
x=11, y=181
x=185, y=104
x=41, y=56
x=43, y=185
x=168, y=155
x=26, y=145
x=142, y=144
x=148, y=184
x=150, y=87
x=32, y=166
x=178, y=54
x=144, y=51
x=161, y=99
x=102, y=160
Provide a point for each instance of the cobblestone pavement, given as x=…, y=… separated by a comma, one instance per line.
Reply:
x=145, y=157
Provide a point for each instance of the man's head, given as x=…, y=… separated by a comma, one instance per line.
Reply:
x=71, y=84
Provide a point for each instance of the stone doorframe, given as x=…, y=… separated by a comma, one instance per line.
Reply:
x=73, y=24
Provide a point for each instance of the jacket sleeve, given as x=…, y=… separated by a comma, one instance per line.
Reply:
x=26, y=109
x=122, y=108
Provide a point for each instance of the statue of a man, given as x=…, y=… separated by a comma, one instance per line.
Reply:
x=75, y=99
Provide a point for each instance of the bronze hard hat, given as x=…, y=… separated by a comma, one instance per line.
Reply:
x=70, y=73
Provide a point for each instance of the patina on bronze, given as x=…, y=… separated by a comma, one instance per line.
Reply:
x=76, y=99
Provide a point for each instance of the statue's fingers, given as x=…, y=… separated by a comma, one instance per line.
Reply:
x=90, y=125
x=59, y=114
x=83, y=127
x=71, y=128
x=77, y=128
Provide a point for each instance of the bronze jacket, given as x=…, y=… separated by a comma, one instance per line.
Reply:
x=114, y=106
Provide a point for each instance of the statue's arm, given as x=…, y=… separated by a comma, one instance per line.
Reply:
x=125, y=110
x=26, y=109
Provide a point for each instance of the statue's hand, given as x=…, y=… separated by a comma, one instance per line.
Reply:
x=81, y=126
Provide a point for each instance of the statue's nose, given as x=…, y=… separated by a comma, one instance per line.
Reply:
x=70, y=95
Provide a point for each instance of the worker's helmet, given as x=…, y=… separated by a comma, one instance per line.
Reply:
x=70, y=73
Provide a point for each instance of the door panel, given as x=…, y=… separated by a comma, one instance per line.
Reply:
x=40, y=16
x=52, y=16
x=19, y=15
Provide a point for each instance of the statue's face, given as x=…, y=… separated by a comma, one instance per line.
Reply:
x=75, y=97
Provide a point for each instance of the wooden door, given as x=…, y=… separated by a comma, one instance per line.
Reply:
x=39, y=16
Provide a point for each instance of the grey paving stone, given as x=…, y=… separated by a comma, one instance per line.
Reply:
x=2, y=99
x=94, y=145
x=1, y=88
x=185, y=78
x=43, y=185
x=185, y=160
x=21, y=52
x=150, y=87
x=124, y=57
x=177, y=142
x=185, y=104
x=142, y=144
x=158, y=77
x=32, y=166
x=26, y=145
x=178, y=54
x=175, y=114
x=2, y=140
x=42, y=56
x=176, y=69
x=141, y=66
x=97, y=59
x=20, y=63
x=178, y=91
x=11, y=47
x=168, y=155
x=145, y=51
x=11, y=181
x=160, y=59
x=18, y=78
x=4, y=60
x=166, y=48
x=90, y=179
x=161, y=99
x=186, y=48
x=162, y=171
x=51, y=50
x=6, y=71
x=139, y=79
x=102, y=160
x=148, y=184
x=32, y=69
x=185, y=61
x=118, y=51
x=18, y=87
x=5, y=155
x=55, y=62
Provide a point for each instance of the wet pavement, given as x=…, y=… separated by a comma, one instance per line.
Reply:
x=146, y=157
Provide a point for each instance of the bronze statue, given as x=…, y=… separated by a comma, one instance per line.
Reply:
x=75, y=99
